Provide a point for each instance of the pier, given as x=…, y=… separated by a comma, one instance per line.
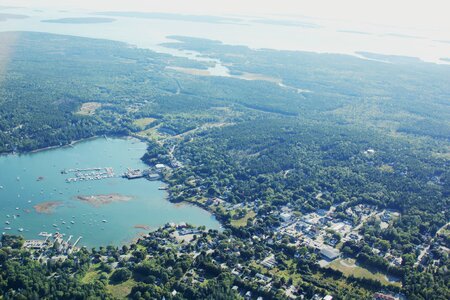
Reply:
x=83, y=170
x=76, y=242
x=137, y=173
x=134, y=174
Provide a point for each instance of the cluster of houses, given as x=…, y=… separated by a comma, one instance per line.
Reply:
x=324, y=229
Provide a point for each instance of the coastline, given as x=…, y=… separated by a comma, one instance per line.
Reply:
x=71, y=144
x=168, y=194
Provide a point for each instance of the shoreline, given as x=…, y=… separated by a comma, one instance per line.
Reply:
x=71, y=144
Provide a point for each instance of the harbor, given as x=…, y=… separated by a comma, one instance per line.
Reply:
x=79, y=208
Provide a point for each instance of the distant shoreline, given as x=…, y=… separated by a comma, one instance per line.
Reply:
x=81, y=20
x=72, y=143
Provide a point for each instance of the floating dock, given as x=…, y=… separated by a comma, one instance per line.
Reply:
x=89, y=174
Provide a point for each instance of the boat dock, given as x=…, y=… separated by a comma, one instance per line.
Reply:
x=89, y=174
x=82, y=170
x=76, y=242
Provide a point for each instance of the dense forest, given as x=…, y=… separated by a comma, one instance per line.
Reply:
x=314, y=131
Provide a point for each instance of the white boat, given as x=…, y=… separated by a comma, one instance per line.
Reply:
x=7, y=223
x=104, y=221
x=72, y=222
x=7, y=228
x=20, y=229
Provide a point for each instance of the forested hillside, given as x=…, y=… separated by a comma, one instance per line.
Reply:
x=286, y=137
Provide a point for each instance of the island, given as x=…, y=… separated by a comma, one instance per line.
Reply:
x=47, y=207
x=103, y=199
x=83, y=20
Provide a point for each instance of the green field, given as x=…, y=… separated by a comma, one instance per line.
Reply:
x=243, y=221
x=143, y=122
x=348, y=267
x=121, y=290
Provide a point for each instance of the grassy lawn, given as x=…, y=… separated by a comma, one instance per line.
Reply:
x=201, y=200
x=141, y=248
x=88, y=108
x=386, y=169
x=151, y=134
x=348, y=267
x=243, y=221
x=143, y=122
x=121, y=290
x=90, y=277
x=444, y=154
x=91, y=274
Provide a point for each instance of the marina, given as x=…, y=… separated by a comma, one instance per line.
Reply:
x=89, y=174
x=100, y=173
x=55, y=241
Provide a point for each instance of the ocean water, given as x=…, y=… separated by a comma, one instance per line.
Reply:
x=326, y=37
x=32, y=179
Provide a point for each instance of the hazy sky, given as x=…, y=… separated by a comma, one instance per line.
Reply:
x=417, y=14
